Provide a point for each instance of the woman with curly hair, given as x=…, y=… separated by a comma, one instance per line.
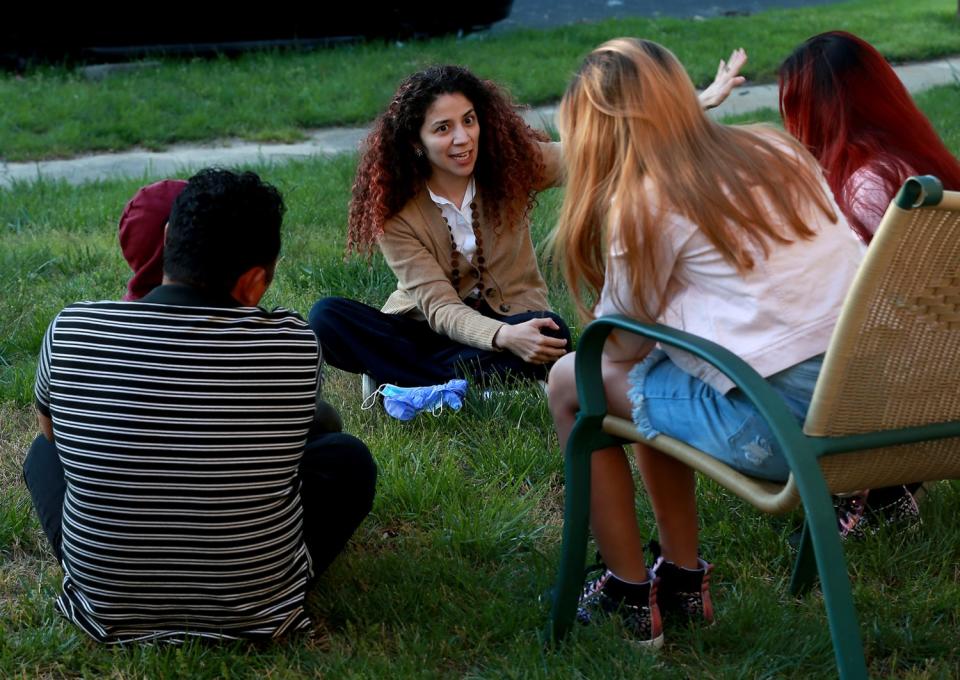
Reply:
x=449, y=209
x=445, y=185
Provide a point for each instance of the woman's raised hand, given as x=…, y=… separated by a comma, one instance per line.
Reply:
x=527, y=342
x=728, y=77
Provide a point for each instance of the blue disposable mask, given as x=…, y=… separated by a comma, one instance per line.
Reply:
x=403, y=403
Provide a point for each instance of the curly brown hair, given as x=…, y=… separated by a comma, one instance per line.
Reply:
x=509, y=166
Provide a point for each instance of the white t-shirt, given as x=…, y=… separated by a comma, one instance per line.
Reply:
x=776, y=315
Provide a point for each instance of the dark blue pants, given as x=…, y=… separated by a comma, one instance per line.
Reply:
x=337, y=482
x=393, y=348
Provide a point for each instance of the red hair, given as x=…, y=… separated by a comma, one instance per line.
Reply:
x=509, y=164
x=844, y=102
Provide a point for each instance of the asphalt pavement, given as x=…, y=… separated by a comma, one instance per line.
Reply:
x=550, y=13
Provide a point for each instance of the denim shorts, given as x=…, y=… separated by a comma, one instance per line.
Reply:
x=668, y=400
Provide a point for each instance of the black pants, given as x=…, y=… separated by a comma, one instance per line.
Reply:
x=337, y=474
x=393, y=348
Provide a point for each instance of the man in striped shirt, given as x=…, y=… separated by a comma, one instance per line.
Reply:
x=179, y=477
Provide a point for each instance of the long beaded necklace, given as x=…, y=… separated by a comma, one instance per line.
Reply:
x=455, y=254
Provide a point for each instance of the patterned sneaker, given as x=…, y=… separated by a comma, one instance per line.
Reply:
x=894, y=505
x=683, y=594
x=865, y=513
x=851, y=522
x=634, y=603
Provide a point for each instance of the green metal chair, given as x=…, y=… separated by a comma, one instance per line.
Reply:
x=886, y=409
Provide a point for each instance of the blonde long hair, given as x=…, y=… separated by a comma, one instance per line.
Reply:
x=630, y=120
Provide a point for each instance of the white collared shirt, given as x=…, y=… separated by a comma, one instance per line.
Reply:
x=460, y=220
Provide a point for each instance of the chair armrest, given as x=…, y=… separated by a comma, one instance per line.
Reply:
x=921, y=190
x=769, y=404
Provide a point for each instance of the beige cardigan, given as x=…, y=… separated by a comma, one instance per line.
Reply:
x=416, y=245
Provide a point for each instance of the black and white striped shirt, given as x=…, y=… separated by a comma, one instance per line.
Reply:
x=180, y=422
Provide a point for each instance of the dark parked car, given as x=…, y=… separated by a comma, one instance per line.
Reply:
x=101, y=31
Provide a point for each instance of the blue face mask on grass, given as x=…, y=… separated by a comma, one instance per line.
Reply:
x=403, y=403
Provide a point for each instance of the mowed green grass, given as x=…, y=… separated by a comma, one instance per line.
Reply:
x=275, y=96
x=445, y=578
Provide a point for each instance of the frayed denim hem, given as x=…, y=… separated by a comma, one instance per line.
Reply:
x=636, y=378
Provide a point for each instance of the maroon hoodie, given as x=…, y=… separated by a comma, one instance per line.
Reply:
x=141, y=234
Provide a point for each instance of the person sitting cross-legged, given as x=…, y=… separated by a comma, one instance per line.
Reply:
x=179, y=476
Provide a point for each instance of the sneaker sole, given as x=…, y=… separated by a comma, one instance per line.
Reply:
x=655, y=643
x=368, y=386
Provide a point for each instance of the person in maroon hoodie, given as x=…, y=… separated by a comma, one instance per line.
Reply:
x=141, y=234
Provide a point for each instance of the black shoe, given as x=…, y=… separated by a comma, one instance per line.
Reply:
x=683, y=594
x=634, y=603
x=894, y=505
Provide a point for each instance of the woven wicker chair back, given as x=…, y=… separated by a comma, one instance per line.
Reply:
x=894, y=358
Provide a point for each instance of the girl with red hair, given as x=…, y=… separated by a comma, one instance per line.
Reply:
x=844, y=102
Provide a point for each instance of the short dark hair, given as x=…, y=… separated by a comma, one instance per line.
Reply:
x=221, y=225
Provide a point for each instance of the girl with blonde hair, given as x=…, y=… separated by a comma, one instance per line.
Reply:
x=727, y=232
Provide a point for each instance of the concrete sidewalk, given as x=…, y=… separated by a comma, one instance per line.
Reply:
x=181, y=159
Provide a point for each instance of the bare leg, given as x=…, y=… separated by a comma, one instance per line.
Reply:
x=669, y=483
x=671, y=487
x=613, y=518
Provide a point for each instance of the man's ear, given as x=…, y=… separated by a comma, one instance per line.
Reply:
x=251, y=286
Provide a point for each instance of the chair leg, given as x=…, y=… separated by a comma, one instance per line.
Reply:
x=805, y=570
x=585, y=438
x=821, y=527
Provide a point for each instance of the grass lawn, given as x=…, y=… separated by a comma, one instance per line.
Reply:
x=443, y=579
x=54, y=112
